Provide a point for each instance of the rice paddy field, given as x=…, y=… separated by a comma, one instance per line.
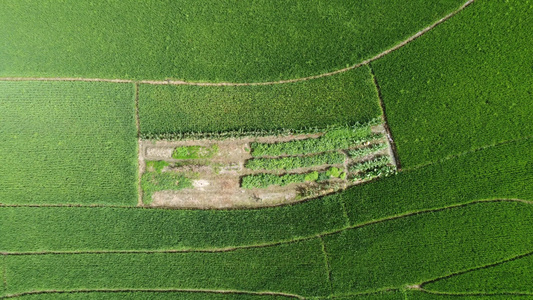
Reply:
x=368, y=150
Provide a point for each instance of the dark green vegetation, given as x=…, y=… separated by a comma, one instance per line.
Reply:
x=465, y=84
x=194, y=152
x=167, y=110
x=228, y=40
x=295, y=162
x=263, y=180
x=362, y=152
x=333, y=139
x=512, y=276
x=420, y=247
x=267, y=268
x=67, y=142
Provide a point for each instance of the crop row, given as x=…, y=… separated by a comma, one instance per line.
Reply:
x=295, y=162
x=334, y=139
x=365, y=151
x=370, y=164
x=162, y=181
x=264, y=180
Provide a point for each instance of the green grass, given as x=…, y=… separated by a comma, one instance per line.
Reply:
x=512, y=276
x=167, y=110
x=295, y=162
x=149, y=295
x=265, y=269
x=228, y=40
x=67, y=142
x=194, y=152
x=421, y=247
x=333, y=139
x=503, y=171
x=465, y=84
x=30, y=229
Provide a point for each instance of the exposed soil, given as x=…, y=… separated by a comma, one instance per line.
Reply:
x=216, y=181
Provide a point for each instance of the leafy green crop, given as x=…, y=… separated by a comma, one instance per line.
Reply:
x=150, y=295
x=465, y=84
x=362, y=152
x=67, y=142
x=167, y=111
x=295, y=162
x=333, y=139
x=202, y=40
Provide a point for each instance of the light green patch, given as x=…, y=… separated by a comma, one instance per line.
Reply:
x=194, y=152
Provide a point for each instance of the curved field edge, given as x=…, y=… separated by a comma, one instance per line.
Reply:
x=465, y=84
x=502, y=171
x=506, y=276
x=229, y=41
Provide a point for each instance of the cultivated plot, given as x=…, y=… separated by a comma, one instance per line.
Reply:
x=67, y=143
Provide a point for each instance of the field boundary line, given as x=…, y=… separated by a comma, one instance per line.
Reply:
x=182, y=82
x=392, y=144
x=139, y=146
x=461, y=154
x=477, y=293
x=278, y=243
x=4, y=272
x=327, y=264
x=207, y=291
x=487, y=266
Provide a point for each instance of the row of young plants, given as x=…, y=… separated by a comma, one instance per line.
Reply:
x=333, y=139
x=295, y=162
x=362, y=152
x=376, y=167
x=264, y=180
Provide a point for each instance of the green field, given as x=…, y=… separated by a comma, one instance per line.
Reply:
x=342, y=99
x=502, y=277
x=463, y=85
x=265, y=269
x=227, y=40
x=66, y=142
x=452, y=221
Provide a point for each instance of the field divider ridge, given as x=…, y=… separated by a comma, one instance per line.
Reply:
x=207, y=291
x=327, y=264
x=392, y=144
x=282, y=242
x=487, y=266
x=182, y=82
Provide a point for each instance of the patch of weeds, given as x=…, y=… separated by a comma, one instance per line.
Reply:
x=156, y=165
x=194, y=152
x=156, y=181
